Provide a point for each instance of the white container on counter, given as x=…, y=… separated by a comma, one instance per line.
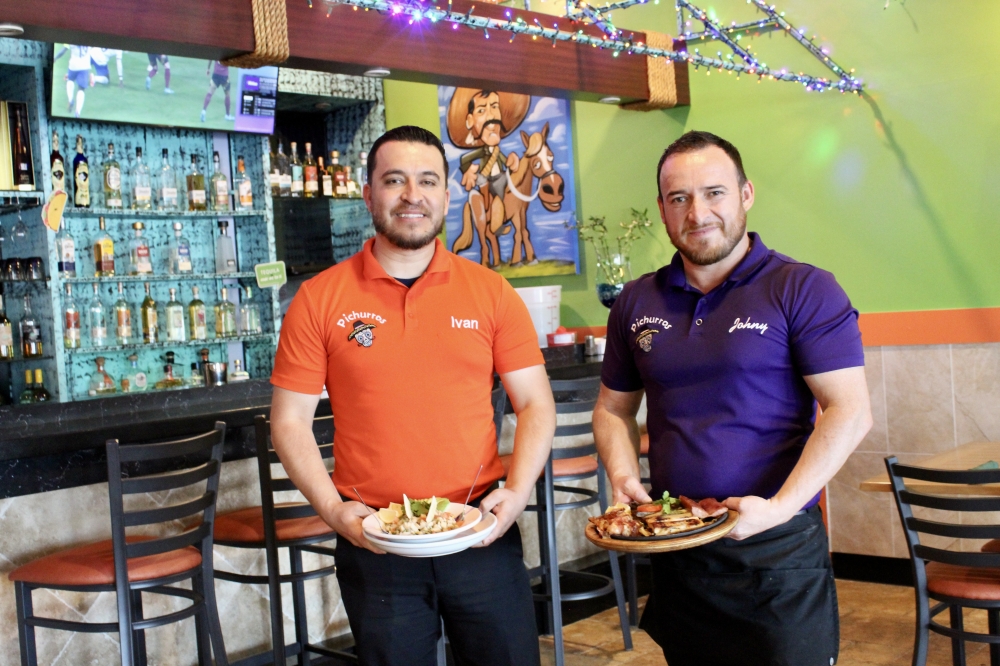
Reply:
x=543, y=306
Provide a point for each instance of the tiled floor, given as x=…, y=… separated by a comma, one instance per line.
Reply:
x=876, y=629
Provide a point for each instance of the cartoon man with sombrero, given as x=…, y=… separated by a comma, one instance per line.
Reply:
x=362, y=334
x=479, y=119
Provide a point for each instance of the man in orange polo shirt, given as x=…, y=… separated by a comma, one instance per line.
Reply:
x=406, y=338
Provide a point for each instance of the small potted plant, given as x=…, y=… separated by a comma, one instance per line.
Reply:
x=613, y=269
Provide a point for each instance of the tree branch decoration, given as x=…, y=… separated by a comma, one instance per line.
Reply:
x=613, y=255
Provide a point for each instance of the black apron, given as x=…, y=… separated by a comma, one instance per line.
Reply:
x=769, y=600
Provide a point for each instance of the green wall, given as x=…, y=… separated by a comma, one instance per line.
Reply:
x=897, y=192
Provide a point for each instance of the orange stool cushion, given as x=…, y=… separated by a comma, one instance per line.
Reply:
x=644, y=444
x=963, y=582
x=94, y=564
x=992, y=546
x=247, y=526
x=564, y=467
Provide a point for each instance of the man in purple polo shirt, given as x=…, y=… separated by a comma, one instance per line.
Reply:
x=734, y=345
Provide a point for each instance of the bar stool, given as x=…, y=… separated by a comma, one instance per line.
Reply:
x=631, y=560
x=571, y=463
x=131, y=565
x=271, y=526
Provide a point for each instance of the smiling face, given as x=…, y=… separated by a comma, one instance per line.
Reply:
x=703, y=205
x=485, y=121
x=408, y=194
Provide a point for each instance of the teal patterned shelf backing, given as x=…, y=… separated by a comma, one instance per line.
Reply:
x=24, y=51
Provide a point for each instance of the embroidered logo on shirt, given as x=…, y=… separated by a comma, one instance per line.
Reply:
x=649, y=320
x=738, y=325
x=645, y=339
x=347, y=318
x=464, y=323
x=362, y=334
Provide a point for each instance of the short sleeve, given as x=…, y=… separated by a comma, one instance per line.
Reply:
x=301, y=362
x=823, y=326
x=515, y=342
x=619, y=371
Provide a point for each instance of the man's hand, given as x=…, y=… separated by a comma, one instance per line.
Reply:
x=756, y=515
x=513, y=161
x=506, y=505
x=469, y=178
x=345, y=519
x=625, y=489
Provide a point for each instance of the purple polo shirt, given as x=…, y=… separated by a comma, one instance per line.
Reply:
x=728, y=409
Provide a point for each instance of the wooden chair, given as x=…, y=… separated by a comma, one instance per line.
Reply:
x=133, y=565
x=956, y=580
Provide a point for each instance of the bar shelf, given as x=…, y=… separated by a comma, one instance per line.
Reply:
x=187, y=277
x=30, y=359
x=171, y=343
x=165, y=214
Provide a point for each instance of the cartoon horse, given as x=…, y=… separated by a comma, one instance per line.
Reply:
x=537, y=163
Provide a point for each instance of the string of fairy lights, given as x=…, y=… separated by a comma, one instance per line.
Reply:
x=740, y=60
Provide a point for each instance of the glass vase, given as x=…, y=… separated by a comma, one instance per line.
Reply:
x=613, y=272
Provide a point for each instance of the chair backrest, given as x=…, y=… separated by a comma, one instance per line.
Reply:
x=946, y=500
x=575, y=396
x=189, y=462
x=323, y=428
x=499, y=400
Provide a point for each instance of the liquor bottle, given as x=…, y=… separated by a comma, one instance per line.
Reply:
x=225, y=317
x=104, y=253
x=363, y=171
x=147, y=313
x=238, y=374
x=24, y=171
x=41, y=394
x=249, y=314
x=244, y=186
x=101, y=383
x=135, y=379
x=6, y=334
x=297, y=185
x=325, y=179
x=81, y=176
x=225, y=254
x=66, y=251
x=197, y=320
x=196, y=187
x=339, y=176
x=97, y=320
x=284, y=173
x=112, y=180
x=28, y=394
x=220, y=185
x=57, y=165
x=71, y=321
x=174, y=313
x=196, y=378
x=139, y=260
x=274, y=178
x=169, y=381
x=142, y=188
x=31, y=332
x=168, y=184
x=179, y=252
x=123, y=318
x=310, y=174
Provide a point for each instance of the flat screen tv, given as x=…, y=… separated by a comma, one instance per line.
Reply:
x=95, y=83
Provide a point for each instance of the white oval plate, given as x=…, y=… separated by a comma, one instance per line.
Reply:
x=472, y=517
x=467, y=539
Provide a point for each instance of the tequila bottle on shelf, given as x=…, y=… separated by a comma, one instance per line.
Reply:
x=337, y=173
x=66, y=251
x=28, y=394
x=284, y=173
x=310, y=174
x=244, y=186
x=135, y=379
x=352, y=187
x=225, y=251
x=169, y=381
x=101, y=383
x=6, y=334
x=41, y=394
x=296, y=171
x=325, y=179
x=104, y=252
x=197, y=319
x=140, y=261
x=123, y=318
x=142, y=188
x=220, y=185
x=71, y=320
x=249, y=314
x=179, y=252
x=196, y=378
x=168, y=184
x=196, y=187
x=97, y=320
x=147, y=313
x=225, y=316
x=112, y=180
x=81, y=176
x=31, y=333
x=174, y=313
x=238, y=374
x=57, y=165
x=362, y=171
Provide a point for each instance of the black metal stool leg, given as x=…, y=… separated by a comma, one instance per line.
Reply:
x=202, y=634
x=140, y=636
x=994, y=624
x=299, y=605
x=277, y=619
x=25, y=632
x=212, y=611
x=126, y=638
x=632, y=589
x=553, y=562
x=620, y=599
x=957, y=644
x=543, y=550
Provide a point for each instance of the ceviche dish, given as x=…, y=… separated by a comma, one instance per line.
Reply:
x=418, y=516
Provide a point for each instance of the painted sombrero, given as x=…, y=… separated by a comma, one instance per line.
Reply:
x=359, y=326
x=513, y=109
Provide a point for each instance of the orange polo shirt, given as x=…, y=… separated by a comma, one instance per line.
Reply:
x=409, y=371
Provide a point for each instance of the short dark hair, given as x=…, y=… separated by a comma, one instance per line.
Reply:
x=694, y=140
x=406, y=134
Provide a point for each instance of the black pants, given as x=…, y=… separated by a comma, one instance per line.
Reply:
x=395, y=605
x=769, y=600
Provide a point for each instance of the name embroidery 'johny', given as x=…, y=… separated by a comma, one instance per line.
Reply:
x=737, y=325
x=465, y=323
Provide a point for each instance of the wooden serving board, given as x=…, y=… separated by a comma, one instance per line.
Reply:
x=665, y=545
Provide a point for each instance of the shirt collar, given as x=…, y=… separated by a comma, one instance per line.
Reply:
x=750, y=263
x=440, y=262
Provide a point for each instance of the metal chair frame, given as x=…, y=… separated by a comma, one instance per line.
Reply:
x=920, y=554
x=131, y=624
x=631, y=574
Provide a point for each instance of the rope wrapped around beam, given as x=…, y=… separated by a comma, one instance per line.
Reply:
x=660, y=77
x=270, y=33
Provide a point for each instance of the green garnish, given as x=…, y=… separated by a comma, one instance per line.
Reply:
x=421, y=507
x=669, y=504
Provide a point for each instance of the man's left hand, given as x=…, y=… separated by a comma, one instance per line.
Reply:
x=506, y=505
x=756, y=515
x=513, y=161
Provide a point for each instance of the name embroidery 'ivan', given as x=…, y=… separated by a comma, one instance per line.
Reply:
x=465, y=323
x=746, y=324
